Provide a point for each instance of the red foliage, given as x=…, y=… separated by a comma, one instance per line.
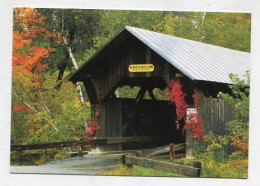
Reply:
x=194, y=122
x=196, y=96
x=92, y=126
x=175, y=95
x=21, y=107
x=31, y=125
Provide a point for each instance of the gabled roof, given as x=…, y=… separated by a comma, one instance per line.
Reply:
x=198, y=61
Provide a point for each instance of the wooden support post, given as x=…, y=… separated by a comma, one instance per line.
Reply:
x=80, y=151
x=20, y=156
x=140, y=94
x=189, y=144
x=151, y=94
x=123, y=161
x=139, y=153
x=197, y=164
x=172, y=152
x=129, y=166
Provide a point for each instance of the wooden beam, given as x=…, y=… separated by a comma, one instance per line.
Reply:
x=179, y=75
x=140, y=94
x=135, y=139
x=151, y=94
x=161, y=165
x=90, y=89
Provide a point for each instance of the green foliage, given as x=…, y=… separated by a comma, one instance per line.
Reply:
x=61, y=115
x=214, y=151
x=122, y=170
x=237, y=155
x=128, y=92
x=239, y=134
x=159, y=94
x=239, y=98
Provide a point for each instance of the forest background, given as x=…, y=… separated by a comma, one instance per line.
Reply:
x=49, y=44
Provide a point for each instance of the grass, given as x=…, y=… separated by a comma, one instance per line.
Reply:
x=122, y=170
x=209, y=169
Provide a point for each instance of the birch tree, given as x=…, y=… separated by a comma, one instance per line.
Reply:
x=74, y=32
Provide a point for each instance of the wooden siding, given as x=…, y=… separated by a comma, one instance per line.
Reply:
x=110, y=122
x=215, y=113
x=110, y=69
x=149, y=117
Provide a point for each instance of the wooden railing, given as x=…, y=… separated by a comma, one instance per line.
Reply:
x=163, y=165
x=107, y=141
x=80, y=144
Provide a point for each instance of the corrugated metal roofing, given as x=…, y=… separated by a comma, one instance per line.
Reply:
x=198, y=61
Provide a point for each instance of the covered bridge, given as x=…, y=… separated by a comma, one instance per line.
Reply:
x=199, y=66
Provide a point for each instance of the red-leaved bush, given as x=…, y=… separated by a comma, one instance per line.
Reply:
x=193, y=122
x=92, y=126
x=175, y=95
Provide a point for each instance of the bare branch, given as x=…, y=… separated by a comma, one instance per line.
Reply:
x=44, y=105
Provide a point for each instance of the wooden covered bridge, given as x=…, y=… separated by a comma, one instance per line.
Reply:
x=138, y=57
x=149, y=60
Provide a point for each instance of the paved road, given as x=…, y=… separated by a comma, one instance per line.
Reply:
x=87, y=165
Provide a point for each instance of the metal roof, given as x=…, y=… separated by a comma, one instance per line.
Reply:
x=198, y=61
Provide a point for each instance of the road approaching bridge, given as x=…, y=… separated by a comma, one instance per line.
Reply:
x=86, y=165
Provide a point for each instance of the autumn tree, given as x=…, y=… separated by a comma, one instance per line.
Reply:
x=40, y=112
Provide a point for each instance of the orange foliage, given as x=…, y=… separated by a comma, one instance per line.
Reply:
x=240, y=145
x=27, y=54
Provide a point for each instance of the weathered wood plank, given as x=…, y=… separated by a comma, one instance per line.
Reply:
x=135, y=139
x=161, y=165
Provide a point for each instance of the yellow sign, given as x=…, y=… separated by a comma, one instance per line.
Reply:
x=141, y=68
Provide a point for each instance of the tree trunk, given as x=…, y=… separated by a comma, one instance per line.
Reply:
x=75, y=64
